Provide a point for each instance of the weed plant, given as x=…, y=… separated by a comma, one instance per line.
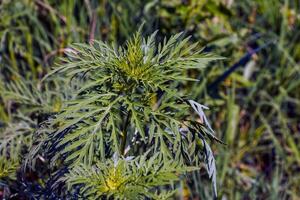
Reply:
x=253, y=95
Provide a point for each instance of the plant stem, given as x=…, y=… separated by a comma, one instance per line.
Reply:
x=124, y=133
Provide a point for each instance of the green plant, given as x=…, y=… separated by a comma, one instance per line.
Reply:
x=127, y=103
x=256, y=111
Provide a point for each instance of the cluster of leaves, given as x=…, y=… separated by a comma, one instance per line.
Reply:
x=123, y=101
x=126, y=178
x=113, y=108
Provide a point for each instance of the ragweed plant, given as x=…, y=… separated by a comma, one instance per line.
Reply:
x=128, y=104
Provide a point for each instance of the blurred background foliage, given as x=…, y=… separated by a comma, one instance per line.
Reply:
x=253, y=95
